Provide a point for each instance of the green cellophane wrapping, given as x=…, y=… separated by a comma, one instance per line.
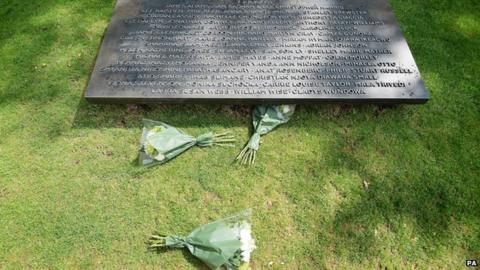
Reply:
x=161, y=142
x=226, y=242
x=265, y=119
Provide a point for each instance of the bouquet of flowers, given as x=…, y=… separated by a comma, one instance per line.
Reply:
x=226, y=242
x=161, y=142
x=265, y=119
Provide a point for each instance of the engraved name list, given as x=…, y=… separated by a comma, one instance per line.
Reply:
x=264, y=51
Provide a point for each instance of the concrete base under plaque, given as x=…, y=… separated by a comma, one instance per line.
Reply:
x=264, y=51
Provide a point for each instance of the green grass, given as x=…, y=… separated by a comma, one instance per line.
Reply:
x=72, y=197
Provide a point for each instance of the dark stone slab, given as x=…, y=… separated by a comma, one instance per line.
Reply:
x=264, y=51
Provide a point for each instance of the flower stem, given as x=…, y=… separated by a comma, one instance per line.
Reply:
x=156, y=241
x=247, y=156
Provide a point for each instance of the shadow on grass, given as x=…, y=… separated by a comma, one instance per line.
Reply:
x=18, y=78
x=398, y=185
x=188, y=256
x=31, y=25
x=430, y=181
x=430, y=177
x=182, y=116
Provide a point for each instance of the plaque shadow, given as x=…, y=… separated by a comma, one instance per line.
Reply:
x=183, y=116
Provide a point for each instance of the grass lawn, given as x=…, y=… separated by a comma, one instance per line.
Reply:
x=339, y=187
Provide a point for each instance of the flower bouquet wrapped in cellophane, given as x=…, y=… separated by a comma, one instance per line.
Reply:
x=265, y=119
x=161, y=142
x=225, y=243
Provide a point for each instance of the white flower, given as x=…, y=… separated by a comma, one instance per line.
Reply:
x=246, y=240
x=285, y=109
x=149, y=146
x=159, y=157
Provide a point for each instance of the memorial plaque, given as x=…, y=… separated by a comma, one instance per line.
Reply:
x=263, y=51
